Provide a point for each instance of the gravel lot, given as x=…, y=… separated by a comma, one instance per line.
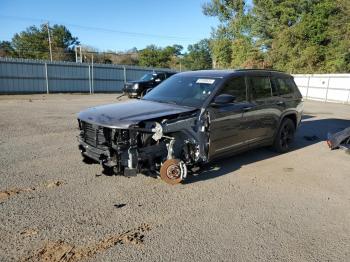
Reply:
x=254, y=206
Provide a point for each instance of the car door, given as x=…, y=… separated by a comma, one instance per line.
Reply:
x=286, y=92
x=160, y=78
x=226, y=130
x=261, y=119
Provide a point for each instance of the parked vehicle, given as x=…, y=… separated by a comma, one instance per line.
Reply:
x=138, y=88
x=191, y=119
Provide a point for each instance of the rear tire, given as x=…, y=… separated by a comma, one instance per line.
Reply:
x=285, y=136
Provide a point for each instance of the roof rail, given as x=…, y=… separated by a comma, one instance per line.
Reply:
x=259, y=69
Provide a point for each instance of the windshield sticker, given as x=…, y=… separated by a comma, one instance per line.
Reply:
x=205, y=81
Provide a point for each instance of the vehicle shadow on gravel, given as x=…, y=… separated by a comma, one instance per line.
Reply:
x=310, y=132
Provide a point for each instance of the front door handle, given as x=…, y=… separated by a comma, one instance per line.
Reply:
x=280, y=103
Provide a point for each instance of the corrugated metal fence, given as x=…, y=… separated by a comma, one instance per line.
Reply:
x=20, y=76
x=325, y=87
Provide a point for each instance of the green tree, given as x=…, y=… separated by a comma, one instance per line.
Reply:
x=154, y=56
x=245, y=54
x=150, y=56
x=222, y=52
x=33, y=43
x=292, y=35
x=198, y=56
x=317, y=43
x=337, y=55
x=233, y=43
x=6, y=49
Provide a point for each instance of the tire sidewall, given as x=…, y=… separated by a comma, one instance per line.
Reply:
x=277, y=143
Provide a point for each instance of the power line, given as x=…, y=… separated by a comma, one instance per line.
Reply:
x=101, y=29
x=68, y=51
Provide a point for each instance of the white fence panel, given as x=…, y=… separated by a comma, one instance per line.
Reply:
x=325, y=87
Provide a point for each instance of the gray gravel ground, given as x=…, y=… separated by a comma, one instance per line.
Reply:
x=254, y=206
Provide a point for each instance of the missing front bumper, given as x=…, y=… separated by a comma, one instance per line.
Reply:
x=94, y=153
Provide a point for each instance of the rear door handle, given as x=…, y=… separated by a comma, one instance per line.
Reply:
x=247, y=108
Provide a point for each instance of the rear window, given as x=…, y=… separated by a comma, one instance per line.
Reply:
x=285, y=85
x=260, y=87
x=160, y=76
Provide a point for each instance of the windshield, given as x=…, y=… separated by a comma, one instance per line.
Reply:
x=148, y=77
x=183, y=90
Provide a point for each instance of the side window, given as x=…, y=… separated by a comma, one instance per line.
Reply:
x=167, y=75
x=161, y=76
x=274, y=87
x=237, y=88
x=285, y=86
x=260, y=87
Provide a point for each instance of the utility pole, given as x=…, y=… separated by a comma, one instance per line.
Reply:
x=180, y=60
x=78, y=56
x=92, y=73
x=48, y=32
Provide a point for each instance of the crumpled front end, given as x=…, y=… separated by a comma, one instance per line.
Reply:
x=147, y=145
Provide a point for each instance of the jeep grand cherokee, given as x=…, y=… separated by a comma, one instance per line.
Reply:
x=191, y=119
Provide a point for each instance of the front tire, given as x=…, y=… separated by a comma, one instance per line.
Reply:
x=88, y=160
x=143, y=93
x=285, y=136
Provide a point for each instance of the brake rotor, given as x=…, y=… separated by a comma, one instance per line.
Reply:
x=172, y=171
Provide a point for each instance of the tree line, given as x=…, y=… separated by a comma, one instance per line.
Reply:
x=33, y=43
x=297, y=36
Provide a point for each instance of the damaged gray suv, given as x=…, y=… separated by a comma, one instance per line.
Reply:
x=191, y=119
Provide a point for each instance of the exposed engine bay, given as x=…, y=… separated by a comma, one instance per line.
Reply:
x=167, y=146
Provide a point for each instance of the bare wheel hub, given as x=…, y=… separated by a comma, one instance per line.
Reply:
x=173, y=171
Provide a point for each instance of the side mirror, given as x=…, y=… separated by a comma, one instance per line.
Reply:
x=223, y=99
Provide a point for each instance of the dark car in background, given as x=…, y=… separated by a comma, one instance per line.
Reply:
x=191, y=119
x=138, y=88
